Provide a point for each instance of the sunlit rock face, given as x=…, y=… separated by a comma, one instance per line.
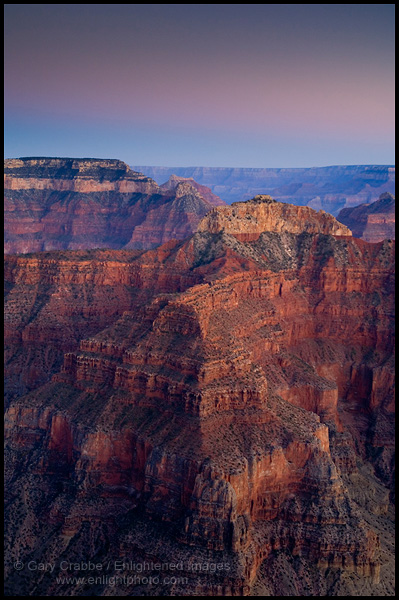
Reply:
x=247, y=220
x=223, y=400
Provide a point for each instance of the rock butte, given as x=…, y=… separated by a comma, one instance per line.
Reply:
x=247, y=220
x=222, y=400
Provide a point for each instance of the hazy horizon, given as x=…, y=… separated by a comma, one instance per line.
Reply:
x=192, y=166
x=225, y=86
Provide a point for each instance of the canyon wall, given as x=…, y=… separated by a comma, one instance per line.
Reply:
x=213, y=401
x=371, y=222
x=60, y=203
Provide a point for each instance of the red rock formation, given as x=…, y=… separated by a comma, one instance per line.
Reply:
x=54, y=204
x=247, y=220
x=211, y=410
x=176, y=220
x=204, y=191
x=371, y=222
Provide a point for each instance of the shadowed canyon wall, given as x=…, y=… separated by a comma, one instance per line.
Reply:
x=371, y=222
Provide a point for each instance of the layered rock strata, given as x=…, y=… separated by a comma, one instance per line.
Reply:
x=371, y=222
x=60, y=203
x=247, y=220
x=211, y=413
x=204, y=191
x=329, y=188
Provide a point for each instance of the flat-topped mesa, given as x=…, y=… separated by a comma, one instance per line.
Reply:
x=68, y=203
x=74, y=174
x=247, y=220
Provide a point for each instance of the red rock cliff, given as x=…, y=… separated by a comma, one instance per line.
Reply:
x=57, y=203
x=213, y=405
x=247, y=220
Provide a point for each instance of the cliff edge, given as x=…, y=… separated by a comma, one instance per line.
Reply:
x=247, y=220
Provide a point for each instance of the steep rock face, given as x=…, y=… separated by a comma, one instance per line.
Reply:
x=74, y=175
x=55, y=299
x=371, y=222
x=175, y=220
x=247, y=220
x=329, y=188
x=215, y=414
x=57, y=203
x=204, y=191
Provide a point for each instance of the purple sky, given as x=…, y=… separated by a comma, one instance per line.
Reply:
x=246, y=85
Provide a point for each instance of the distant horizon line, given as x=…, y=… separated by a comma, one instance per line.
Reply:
x=230, y=167
x=193, y=166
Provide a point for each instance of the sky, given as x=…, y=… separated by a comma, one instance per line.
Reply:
x=217, y=85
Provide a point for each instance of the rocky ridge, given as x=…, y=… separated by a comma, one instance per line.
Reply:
x=247, y=220
x=212, y=402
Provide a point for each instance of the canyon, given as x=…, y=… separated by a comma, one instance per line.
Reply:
x=329, y=188
x=61, y=203
x=65, y=203
x=222, y=403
